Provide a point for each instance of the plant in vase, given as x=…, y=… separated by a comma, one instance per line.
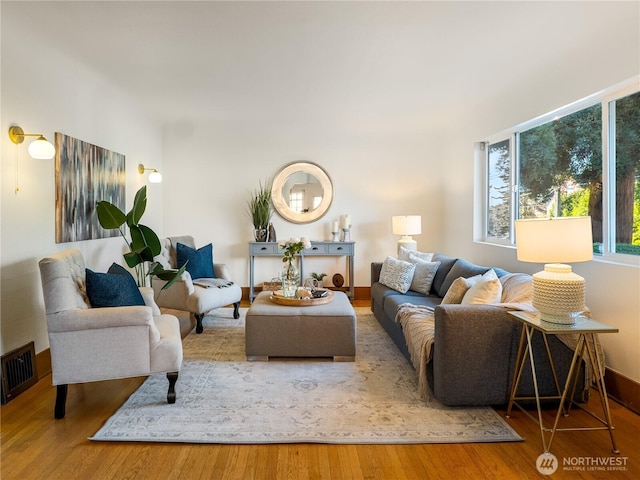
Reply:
x=318, y=279
x=260, y=211
x=290, y=272
x=144, y=243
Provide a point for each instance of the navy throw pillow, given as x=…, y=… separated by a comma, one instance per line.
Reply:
x=200, y=261
x=114, y=289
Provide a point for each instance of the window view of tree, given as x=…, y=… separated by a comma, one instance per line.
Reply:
x=499, y=192
x=561, y=168
x=626, y=112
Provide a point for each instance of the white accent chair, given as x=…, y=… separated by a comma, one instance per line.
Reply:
x=93, y=344
x=184, y=295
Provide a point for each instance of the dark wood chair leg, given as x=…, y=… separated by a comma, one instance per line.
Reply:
x=199, y=317
x=236, y=310
x=61, y=401
x=173, y=378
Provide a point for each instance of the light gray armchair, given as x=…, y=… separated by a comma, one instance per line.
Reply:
x=92, y=344
x=186, y=295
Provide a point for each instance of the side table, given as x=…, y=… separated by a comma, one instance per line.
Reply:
x=587, y=329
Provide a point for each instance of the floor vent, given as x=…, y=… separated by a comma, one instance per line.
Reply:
x=18, y=371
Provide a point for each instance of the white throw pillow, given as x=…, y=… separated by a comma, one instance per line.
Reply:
x=404, y=255
x=487, y=290
x=397, y=274
x=423, y=275
x=458, y=288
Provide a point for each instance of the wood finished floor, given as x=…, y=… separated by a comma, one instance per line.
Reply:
x=35, y=446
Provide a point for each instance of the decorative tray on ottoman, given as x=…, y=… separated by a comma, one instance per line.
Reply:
x=278, y=297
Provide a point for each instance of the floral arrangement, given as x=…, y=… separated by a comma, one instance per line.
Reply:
x=290, y=273
x=292, y=247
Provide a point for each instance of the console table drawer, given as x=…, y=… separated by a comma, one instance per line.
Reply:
x=343, y=249
x=264, y=248
x=320, y=249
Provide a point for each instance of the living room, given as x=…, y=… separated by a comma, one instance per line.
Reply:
x=389, y=98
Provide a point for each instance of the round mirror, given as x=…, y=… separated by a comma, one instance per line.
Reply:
x=302, y=192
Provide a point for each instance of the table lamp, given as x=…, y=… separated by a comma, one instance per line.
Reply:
x=558, y=293
x=407, y=225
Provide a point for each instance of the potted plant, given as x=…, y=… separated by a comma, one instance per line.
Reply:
x=260, y=211
x=317, y=279
x=144, y=243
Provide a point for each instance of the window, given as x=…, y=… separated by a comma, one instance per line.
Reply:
x=624, y=121
x=583, y=159
x=499, y=190
x=295, y=201
x=560, y=166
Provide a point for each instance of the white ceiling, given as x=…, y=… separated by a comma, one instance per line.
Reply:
x=347, y=60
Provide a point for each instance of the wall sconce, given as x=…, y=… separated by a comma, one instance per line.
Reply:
x=40, y=149
x=154, y=176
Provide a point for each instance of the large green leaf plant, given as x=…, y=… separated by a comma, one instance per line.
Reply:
x=144, y=243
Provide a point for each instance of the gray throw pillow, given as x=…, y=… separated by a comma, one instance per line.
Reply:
x=397, y=274
x=423, y=275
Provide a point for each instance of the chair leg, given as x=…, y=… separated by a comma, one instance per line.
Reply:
x=199, y=317
x=61, y=401
x=236, y=310
x=173, y=378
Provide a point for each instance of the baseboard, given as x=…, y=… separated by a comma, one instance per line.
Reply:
x=623, y=390
x=43, y=363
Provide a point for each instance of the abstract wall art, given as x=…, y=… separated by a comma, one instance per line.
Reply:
x=85, y=174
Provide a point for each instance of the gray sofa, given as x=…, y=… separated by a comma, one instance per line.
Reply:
x=475, y=346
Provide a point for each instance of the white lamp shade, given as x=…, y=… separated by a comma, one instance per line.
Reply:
x=406, y=225
x=558, y=293
x=41, y=149
x=554, y=240
x=155, y=177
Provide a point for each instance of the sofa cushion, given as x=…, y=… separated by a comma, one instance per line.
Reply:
x=461, y=268
x=445, y=266
x=200, y=261
x=397, y=274
x=486, y=290
x=393, y=302
x=114, y=289
x=423, y=275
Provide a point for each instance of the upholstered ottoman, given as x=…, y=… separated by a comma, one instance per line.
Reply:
x=328, y=330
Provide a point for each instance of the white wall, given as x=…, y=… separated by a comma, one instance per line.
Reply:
x=45, y=91
x=211, y=168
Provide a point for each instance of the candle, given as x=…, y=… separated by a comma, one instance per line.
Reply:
x=346, y=221
x=335, y=226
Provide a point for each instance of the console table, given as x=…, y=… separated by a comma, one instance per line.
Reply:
x=326, y=249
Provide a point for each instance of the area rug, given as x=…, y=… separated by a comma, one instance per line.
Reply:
x=223, y=398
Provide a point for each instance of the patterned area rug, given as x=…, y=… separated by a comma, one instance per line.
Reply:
x=222, y=398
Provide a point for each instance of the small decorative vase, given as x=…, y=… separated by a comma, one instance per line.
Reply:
x=290, y=280
x=260, y=234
